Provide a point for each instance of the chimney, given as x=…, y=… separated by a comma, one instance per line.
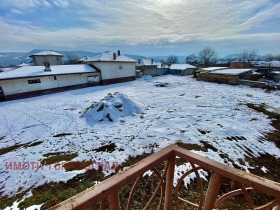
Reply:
x=114, y=56
x=119, y=52
x=139, y=61
x=152, y=61
x=47, y=66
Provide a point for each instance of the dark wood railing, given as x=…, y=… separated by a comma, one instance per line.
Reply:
x=106, y=194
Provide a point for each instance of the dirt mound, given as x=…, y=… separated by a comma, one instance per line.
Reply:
x=112, y=108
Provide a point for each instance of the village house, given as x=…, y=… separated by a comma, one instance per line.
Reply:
x=146, y=66
x=228, y=76
x=114, y=67
x=27, y=81
x=182, y=69
x=49, y=56
x=208, y=69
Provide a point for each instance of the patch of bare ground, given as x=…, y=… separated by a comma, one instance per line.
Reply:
x=271, y=163
x=56, y=157
x=53, y=193
x=17, y=146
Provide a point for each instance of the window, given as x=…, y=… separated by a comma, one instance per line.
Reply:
x=120, y=67
x=54, y=77
x=33, y=81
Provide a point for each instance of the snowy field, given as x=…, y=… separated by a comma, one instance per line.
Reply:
x=149, y=111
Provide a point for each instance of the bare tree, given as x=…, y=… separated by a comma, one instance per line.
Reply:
x=247, y=55
x=171, y=59
x=192, y=59
x=269, y=57
x=71, y=58
x=277, y=57
x=162, y=61
x=207, y=57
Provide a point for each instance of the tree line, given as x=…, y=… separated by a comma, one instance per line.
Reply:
x=208, y=57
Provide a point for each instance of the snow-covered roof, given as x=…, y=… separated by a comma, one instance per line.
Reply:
x=83, y=59
x=274, y=64
x=23, y=64
x=46, y=52
x=230, y=71
x=37, y=71
x=147, y=62
x=108, y=56
x=214, y=68
x=181, y=66
x=267, y=63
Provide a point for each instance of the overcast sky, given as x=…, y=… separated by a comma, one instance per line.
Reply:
x=142, y=27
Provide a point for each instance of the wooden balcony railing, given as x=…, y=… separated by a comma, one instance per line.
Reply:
x=106, y=194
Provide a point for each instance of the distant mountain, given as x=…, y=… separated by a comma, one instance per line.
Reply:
x=230, y=56
x=16, y=58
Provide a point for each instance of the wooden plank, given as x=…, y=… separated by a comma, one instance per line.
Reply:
x=249, y=180
x=94, y=194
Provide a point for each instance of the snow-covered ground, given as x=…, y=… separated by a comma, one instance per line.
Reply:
x=169, y=109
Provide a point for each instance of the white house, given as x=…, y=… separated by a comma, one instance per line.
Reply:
x=49, y=56
x=182, y=69
x=150, y=67
x=114, y=67
x=29, y=81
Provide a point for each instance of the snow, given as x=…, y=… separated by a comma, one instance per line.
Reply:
x=112, y=108
x=214, y=68
x=16, y=203
x=176, y=112
x=23, y=64
x=36, y=71
x=147, y=62
x=47, y=52
x=231, y=71
x=6, y=69
x=264, y=169
x=267, y=63
x=108, y=56
x=181, y=66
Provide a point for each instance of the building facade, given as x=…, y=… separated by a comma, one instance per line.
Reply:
x=36, y=80
x=182, y=69
x=53, y=58
x=114, y=67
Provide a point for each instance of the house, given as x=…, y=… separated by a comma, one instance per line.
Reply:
x=162, y=69
x=53, y=58
x=208, y=69
x=182, y=69
x=228, y=76
x=150, y=67
x=114, y=67
x=30, y=81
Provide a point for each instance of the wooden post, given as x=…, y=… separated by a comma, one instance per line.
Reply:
x=114, y=201
x=212, y=191
x=102, y=204
x=169, y=183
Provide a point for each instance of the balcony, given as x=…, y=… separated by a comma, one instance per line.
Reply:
x=167, y=194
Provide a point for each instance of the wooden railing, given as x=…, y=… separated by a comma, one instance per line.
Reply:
x=106, y=194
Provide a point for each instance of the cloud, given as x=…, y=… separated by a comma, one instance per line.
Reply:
x=158, y=23
x=264, y=16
